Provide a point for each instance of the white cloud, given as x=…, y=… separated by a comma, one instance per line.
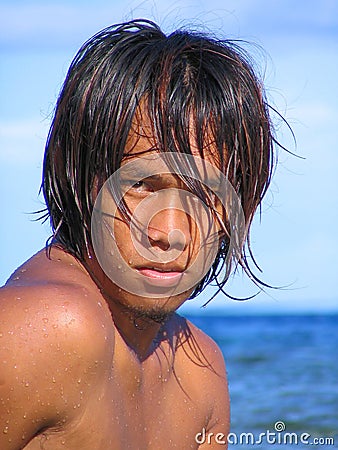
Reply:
x=22, y=142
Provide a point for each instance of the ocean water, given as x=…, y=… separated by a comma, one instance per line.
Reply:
x=280, y=369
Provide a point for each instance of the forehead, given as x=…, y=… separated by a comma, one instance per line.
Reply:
x=144, y=138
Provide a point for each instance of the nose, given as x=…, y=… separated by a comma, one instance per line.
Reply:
x=170, y=229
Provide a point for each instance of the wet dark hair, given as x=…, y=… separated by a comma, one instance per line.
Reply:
x=188, y=82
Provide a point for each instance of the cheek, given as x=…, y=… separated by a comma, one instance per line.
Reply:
x=122, y=237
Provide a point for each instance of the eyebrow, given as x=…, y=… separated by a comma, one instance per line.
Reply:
x=141, y=173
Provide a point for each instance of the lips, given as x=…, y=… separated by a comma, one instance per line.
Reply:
x=160, y=277
x=159, y=274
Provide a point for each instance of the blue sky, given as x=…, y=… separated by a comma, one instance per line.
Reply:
x=295, y=242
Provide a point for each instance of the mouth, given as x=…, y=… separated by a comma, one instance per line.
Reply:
x=160, y=277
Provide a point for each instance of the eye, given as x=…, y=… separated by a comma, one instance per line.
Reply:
x=140, y=186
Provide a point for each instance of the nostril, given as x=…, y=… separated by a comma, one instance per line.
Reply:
x=177, y=239
x=174, y=240
x=158, y=239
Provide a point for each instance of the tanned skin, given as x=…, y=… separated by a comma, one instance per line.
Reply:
x=80, y=369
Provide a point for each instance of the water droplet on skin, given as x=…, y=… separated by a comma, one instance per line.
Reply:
x=119, y=267
x=18, y=298
x=23, y=270
x=45, y=320
x=26, y=310
x=79, y=380
x=26, y=384
x=1, y=335
x=5, y=430
x=45, y=335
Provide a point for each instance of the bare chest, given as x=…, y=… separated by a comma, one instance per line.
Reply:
x=127, y=413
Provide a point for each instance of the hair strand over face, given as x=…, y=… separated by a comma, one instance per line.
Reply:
x=189, y=84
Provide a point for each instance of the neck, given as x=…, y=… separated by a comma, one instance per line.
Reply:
x=141, y=333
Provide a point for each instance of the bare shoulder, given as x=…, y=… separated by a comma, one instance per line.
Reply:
x=49, y=300
x=202, y=349
x=54, y=337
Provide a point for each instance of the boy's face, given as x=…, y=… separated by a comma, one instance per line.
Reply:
x=155, y=257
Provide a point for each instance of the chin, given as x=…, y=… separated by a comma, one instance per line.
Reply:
x=158, y=315
x=156, y=309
